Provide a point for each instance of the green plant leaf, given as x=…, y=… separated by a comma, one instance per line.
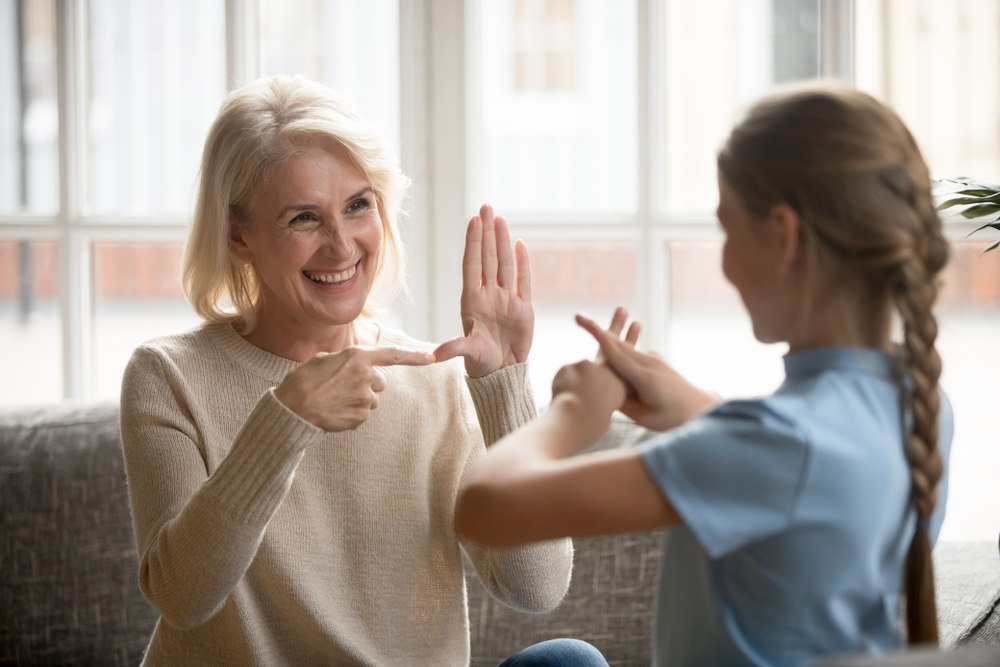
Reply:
x=963, y=201
x=962, y=185
x=981, y=211
x=992, y=247
x=994, y=224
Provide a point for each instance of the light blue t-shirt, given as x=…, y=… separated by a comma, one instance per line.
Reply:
x=797, y=518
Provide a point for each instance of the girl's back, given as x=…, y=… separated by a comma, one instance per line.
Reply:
x=797, y=517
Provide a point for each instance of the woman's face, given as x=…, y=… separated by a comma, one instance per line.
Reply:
x=314, y=238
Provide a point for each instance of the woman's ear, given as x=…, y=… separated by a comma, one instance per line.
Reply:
x=787, y=231
x=236, y=243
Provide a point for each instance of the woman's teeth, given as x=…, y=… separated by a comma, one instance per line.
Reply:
x=331, y=278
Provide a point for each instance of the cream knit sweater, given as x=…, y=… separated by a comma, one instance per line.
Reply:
x=264, y=540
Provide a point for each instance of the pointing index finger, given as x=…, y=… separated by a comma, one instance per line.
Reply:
x=397, y=356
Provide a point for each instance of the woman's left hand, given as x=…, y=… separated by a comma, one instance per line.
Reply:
x=497, y=316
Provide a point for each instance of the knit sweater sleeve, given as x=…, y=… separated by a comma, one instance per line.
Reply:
x=535, y=577
x=197, y=532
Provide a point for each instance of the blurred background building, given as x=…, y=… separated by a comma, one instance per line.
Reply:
x=591, y=124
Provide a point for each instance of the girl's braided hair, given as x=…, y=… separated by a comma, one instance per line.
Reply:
x=854, y=175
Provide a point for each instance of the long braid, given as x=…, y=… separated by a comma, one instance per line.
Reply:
x=914, y=297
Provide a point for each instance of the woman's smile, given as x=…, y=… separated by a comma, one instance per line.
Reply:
x=341, y=279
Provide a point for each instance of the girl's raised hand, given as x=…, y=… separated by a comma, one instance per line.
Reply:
x=659, y=397
x=497, y=316
x=338, y=391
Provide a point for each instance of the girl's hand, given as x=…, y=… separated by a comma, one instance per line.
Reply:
x=497, y=316
x=590, y=393
x=338, y=391
x=659, y=397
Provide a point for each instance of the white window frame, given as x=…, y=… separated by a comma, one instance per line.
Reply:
x=439, y=96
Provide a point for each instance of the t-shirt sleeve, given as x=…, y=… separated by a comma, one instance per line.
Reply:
x=734, y=474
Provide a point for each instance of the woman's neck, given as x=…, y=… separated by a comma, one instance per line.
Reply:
x=290, y=342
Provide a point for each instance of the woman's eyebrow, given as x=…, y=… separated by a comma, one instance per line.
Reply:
x=360, y=192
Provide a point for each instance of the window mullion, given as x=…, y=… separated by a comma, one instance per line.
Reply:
x=447, y=186
x=74, y=267
x=837, y=39
x=653, y=292
x=242, y=42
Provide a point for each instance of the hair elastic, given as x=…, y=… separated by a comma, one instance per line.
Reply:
x=923, y=523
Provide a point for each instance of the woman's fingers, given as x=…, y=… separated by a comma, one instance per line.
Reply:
x=523, y=271
x=472, y=261
x=378, y=383
x=456, y=347
x=397, y=356
x=505, y=254
x=489, y=245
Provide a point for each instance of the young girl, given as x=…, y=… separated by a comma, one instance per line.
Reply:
x=796, y=515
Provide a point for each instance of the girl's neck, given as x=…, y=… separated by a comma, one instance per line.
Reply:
x=842, y=321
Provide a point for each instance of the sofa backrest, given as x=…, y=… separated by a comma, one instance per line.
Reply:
x=69, y=591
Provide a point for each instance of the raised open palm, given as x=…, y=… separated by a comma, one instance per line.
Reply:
x=497, y=316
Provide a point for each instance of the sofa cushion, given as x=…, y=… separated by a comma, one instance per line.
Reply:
x=967, y=588
x=69, y=590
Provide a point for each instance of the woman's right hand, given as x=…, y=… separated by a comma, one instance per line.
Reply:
x=338, y=391
x=659, y=397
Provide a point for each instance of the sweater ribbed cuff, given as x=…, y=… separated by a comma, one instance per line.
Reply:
x=258, y=470
x=504, y=401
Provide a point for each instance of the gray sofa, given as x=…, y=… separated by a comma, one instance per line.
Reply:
x=69, y=592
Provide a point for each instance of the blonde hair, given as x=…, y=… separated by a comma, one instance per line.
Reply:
x=852, y=172
x=258, y=127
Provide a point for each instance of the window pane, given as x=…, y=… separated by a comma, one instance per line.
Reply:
x=969, y=321
x=350, y=45
x=710, y=338
x=29, y=119
x=559, y=105
x=137, y=296
x=30, y=334
x=158, y=76
x=938, y=64
x=568, y=278
x=721, y=55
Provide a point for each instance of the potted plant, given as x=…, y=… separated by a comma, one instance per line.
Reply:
x=981, y=200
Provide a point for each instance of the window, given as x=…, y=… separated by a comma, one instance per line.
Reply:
x=592, y=125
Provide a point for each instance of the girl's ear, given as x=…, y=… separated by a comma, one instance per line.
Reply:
x=236, y=242
x=787, y=230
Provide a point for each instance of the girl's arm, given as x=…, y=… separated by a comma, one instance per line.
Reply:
x=529, y=486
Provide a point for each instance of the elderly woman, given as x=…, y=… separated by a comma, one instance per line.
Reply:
x=280, y=518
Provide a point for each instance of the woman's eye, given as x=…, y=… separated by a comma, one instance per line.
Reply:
x=303, y=217
x=359, y=205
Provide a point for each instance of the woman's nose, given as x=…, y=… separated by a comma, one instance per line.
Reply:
x=339, y=243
